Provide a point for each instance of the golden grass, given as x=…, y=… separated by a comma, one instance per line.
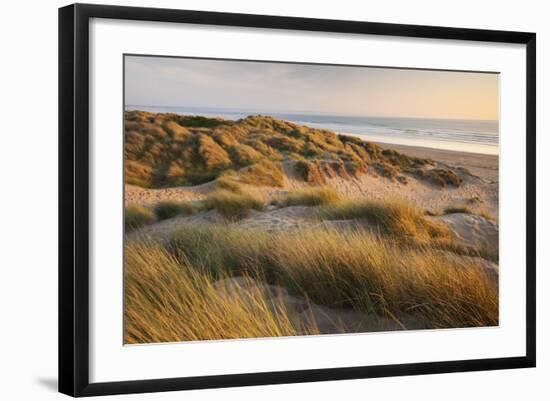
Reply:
x=212, y=155
x=168, y=300
x=465, y=209
x=354, y=269
x=265, y=172
x=137, y=216
x=412, y=269
x=244, y=155
x=457, y=209
x=310, y=197
x=393, y=217
x=310, y=172
x=232, y=205
x=228, y=183
x=167, y=209
x=138, y=174
x=164, y=149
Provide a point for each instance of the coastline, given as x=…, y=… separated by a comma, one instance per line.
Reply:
x=464, y=147
x=453, y=139
x=483, y=165
x=478, y=191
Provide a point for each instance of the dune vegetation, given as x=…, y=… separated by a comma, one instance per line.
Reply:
x=277, y=208
x=393, y=217
x=231, y=204
x=166, y=210
x=164, y=150
x=137, y=216
x=468, y=210
x=313, y=196
x=168, y=300
x=170, y=293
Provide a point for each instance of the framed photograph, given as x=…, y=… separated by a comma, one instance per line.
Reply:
x=250, y=199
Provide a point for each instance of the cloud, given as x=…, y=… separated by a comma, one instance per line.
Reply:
x=288, y=87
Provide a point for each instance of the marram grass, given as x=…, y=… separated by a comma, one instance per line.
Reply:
x=170, y=294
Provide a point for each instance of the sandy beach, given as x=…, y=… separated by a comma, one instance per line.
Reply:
x=485, y=166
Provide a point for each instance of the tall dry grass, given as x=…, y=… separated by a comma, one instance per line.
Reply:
x=393, y=217
x=232, y=205
x=313, y=196
x=171, y=295
x=353, y=269
x=169, y=209
x=265, y=172
x=167, y=300
x=137, y=216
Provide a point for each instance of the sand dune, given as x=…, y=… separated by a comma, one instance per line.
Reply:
x=478, y=192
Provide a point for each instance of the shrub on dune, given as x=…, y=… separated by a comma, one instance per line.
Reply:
x=137, y=174
x=311, y=197
x=394, y=217
x=228, y=183
x=310, y=172
x=264, y=149
x=167, y=210
x=265, y=172
x=244, y=155
x=213, y=156
x=197, y=121
x=387, y=170
x=444, y=177
x=177, y=132
x=232, y=205
x=137, y=216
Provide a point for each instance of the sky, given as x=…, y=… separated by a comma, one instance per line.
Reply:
x=309, y=88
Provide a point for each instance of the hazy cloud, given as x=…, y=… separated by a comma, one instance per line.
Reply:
x=264, y=86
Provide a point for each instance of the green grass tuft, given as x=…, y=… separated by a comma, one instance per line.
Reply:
x=232, y=205
x=311, y=197
x=396, y=218
x=167, y=210
x=137, y=216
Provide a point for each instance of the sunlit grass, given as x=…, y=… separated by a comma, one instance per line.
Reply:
x=232, y=205
x=168, y=209
x=169, y=300
x=392, y=217
x=354, y=269
x=137, y=216
x=313, y=196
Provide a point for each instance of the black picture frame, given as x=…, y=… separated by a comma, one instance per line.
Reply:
x=74, y=198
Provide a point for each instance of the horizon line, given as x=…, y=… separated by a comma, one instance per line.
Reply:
x=264, y=112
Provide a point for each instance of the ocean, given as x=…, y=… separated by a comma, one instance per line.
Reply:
x=474, y=136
